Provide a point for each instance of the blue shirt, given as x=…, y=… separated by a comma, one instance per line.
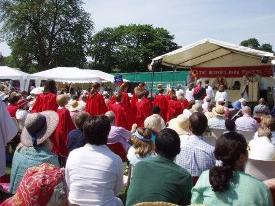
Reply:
x=196, y=155
x=75, y=139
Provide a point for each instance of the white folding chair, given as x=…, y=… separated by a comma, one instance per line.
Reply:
x=260, y=169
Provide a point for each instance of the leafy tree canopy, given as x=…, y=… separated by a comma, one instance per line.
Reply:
x=129, y=48
x=46, y=33
x=254, y=44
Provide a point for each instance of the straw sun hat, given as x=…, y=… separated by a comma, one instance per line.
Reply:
x=180, y=124
x=218, y=111
x=39, y=127
x=74, y=106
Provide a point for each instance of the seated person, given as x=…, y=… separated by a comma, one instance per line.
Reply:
x=35, y=147
x=226, y=183
x=196, y=155
x=246, y=122
x=75, y=137
x=94, y=174
x=159, y=178
x=230, y=125
x=142, y=146
x=155, y=122
x=118, y=134
x=218, y=121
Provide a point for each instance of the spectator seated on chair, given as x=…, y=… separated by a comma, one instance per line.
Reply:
x=94, y=174
x=268, y=121
x=196, y=155
x=75, y=137
x=159, y=178
x=246, y=122
x=261, y=109
x=218, y=121
x=209, y=113
x=226, y=183
x=155, y=122
x=35, y=147
x=230, y=125
x=180, y=124
x=142, y=146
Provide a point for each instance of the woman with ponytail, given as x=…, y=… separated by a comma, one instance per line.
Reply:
x=226, y=183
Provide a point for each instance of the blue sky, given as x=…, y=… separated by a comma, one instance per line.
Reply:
x=189, y=20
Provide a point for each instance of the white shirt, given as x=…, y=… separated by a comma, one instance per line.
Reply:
x=216, y=123
x=94, y=175
x=261, y=148
x=187, y=113
x=189, y=95
x=209, y=92
x=135, y=158
x=221, y=95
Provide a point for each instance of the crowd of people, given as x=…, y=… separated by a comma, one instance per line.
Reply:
x=72, y=148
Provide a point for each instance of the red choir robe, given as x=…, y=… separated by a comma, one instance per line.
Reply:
x=12, y=108
x=184, y=104
x=60, y=136
x=121, y=115
x=144, y=109
x=125, y=100
x=161, y=101
x=45, y=101
x=96, y=105
x=174, y=109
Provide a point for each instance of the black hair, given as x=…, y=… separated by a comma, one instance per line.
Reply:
x=230, y=125
x=228, y=149
x=50, y=86
x=198, y=123
x=156, y=110
x=96, y=130
x=168, y=143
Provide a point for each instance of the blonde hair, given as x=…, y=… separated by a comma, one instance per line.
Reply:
x=264, y=132
x=153, y=122
x=268, y=121
x=143, y=148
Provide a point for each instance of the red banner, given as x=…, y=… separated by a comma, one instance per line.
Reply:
x=214, y=72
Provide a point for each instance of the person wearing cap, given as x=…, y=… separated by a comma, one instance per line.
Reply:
x=21, y=113
x=65, y=125
x=95, y=103
x=93, y=173
x=218, y=121
x=246, y=122
x=46, y=100
x=161, y=101
x=159, y=178
x=142, y=146
x=35, y=147
x=13, y=100
x=73, y=108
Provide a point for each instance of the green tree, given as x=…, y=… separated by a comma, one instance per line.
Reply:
x=46, y=33
x=252, y=43
x=129, y=48
x=266, y=47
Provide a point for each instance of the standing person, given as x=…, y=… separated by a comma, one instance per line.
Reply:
x=199, y=92
x=221, y=94
x=181, y=98
x=189, y=92
x=174, y=106
x=8, y=130
x=65, y=125
x=226, y=183
x=144, y=108
x=13, y=106
x=263, y=88
x=159, y=178
x=208, y=89
x=94, y=174
x=161, y=101
x=46, y=100
x=95, y=104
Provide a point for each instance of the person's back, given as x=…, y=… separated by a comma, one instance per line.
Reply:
x=246, y=122
x=243, y=190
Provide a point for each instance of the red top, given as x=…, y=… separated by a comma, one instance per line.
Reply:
x=12, y=108
x=162, y=102
x=45, y=101
x=96, y=105
x=144, y=110
x=184, y=104
x=59, y=137
x=174, y=109
x=121, y=119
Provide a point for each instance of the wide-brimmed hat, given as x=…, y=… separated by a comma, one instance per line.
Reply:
x=219, y=111
x=73, y=106
x=180, y=124
x=39, y=127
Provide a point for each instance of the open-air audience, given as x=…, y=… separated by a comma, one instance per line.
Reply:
x=159, y=178
x=35, y=147
x=230, y=125
x=218, y=121
x=94, y=174
x=246, y=122
x=226, y=183
x=195, y=154
x=118, y=134
x=209, y=113
x=75, y=137
x=261, y=109
x=180, y=124
x=155, y=122
x=142, y=146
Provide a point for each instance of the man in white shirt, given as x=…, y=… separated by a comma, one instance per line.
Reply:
x=94, y=174
x=189, y=92
x=208, y=89
x=221, y=94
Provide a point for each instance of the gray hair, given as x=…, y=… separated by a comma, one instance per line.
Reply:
x=111, y=116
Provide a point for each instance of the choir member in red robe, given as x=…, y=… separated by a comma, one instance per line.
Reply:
x=46, y=100
x=126, y=101
x=65, y=125
x=120, y=112
x=144, y=108
x=174, y=106
x=13, y=106
x=95, y=102
x=181, y=98
x=161, y=101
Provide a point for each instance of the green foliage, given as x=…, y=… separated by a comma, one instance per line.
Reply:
x=129, y=48
x=254, y=44
x=46, y=33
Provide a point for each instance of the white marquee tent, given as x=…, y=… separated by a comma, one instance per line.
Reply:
x=14, y=74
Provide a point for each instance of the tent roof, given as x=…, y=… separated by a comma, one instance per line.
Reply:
x=11, y=73
x=102, y=75
x=67, y=74
x=203, y=51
